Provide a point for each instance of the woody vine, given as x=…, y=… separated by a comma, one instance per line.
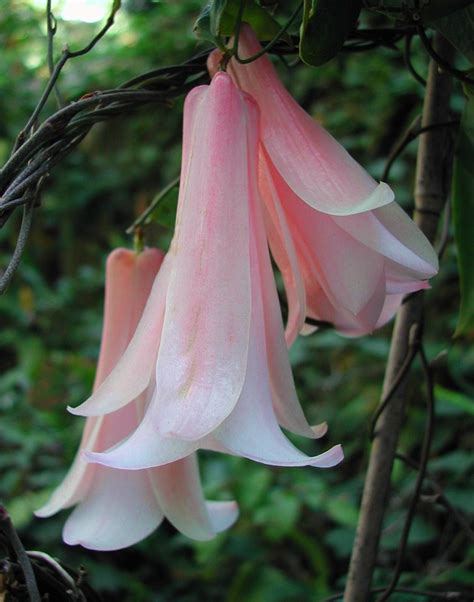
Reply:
x=318, y=296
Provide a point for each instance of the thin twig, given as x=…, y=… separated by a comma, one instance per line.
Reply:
x=153, y=205
x=52, y=27
x=54, y=564
x=408, y=590
x=6, y=526
x=407, y=59
x=20, y=245
x=414, y=345
x=267, y=47
x=457, y=73
x=441, y=497
x=425, y=452
x=411, y=133
x=55, y=72
x=400, y=145
x=444, y=236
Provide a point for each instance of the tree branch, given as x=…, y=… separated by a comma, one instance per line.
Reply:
x=430, y=197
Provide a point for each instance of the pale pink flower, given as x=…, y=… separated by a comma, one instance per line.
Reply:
x=211, y=336
x=117, y=508
x=347, y=252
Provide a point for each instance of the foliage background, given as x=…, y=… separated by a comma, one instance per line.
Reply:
x=295, y=532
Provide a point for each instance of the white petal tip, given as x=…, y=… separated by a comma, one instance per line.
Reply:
x=308, y=329
x=82, y=410
x=93, y=457
x=43, y=512
x=223, y=515
x=320, y=430
x=331, y=458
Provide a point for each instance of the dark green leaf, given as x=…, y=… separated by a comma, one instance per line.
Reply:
x=463, y=216
x=343, y=511
x=264, y=25
x=436, y=9
x=458, y=28
x=403, y=10
x=165, y=212
x=202, y=26
x=219, y=19
x=326, y=24
x=459, y=400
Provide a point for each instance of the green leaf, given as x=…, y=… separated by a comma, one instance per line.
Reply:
x=165, y=212
x=403, y=10
x=343, y=511
x=421, y=532
x=219, y=17
x=457, y=462
x=436, y=9
x=279, y=516
x=455, y=398
x=263, y=24
x=202, y=26
x=463, y=216
x=458, y=28
x=326, y=24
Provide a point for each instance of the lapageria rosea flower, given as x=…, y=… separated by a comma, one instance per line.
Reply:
x=117, y=508
x=347, y=252
x=211, y=339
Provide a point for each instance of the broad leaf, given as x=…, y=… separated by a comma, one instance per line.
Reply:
x=326, y=24
x=219, y=18
x=455, y=398
x=458, y=28
x=263, y=24
x=463, y=215
x=403, y=10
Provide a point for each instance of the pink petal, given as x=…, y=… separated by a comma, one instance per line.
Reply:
x=119, y=510
x=390, y=232
x=317, y=168
x=346, y=270
x=145, y=448
x=391, y=305
x=178, y=490
x=202, y=359
x=222, y=515
x=283, y=250
x=133, y=371
x=285, y=400
x=78, y=480
x=129, y=278
x=252, y=429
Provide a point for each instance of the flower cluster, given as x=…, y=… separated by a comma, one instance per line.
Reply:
x=194, y=354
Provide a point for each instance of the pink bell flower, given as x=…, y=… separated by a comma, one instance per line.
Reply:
x=117, y=508
x=347, y=252
x=210, y=342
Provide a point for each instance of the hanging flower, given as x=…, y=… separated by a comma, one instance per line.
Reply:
x=117, y=508
x=347, y=252
x=211, y=339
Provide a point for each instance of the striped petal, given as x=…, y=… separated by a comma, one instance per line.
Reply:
x=313, y=164
x=202, y=359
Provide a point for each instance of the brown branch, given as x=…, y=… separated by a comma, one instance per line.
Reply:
x=14, y=542
x=425, y=452
x=430, y=197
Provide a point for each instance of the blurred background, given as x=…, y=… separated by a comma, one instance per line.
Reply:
x=296, y=528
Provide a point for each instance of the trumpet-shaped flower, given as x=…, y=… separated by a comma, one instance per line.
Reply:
x=346, y=250
x=117, y=508
x=210, y=342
